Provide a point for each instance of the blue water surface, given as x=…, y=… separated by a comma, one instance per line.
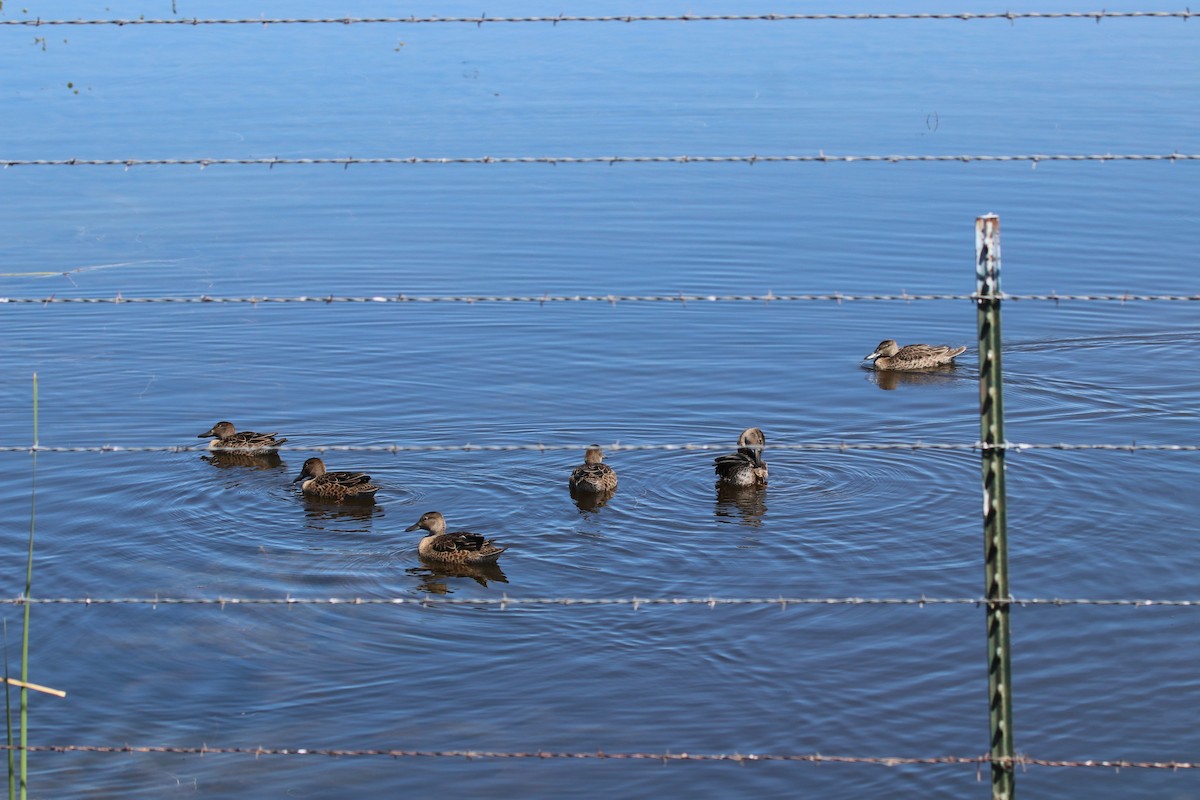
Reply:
x=873, y=681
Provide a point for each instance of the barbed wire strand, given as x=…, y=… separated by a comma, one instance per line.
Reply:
x=664, y=757
x=635, y=603
x=346, y=161
x=483, y=19
x=471, y=755
x=842, y=447
x=612, y=299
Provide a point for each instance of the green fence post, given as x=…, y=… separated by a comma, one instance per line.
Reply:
x=995, y=527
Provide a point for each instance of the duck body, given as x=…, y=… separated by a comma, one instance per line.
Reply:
x=890, y=356
x=316, y=481
x=459, y=547
x=231, y=440
x=593, y=475
x=746, y=467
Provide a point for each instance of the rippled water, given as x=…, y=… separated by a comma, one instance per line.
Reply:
x=1091, y=682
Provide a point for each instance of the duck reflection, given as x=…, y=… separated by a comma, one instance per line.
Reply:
x=888, y=380
x=225, y=460
x=340, y=517
x=748, y=503
x=433, y=575
x=589, y=502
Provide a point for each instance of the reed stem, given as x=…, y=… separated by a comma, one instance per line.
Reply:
x=28, y=594
x=12, y=764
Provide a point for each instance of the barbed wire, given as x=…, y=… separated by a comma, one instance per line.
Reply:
x=842, y=447
x=483, y=19
x=635, y=603
x=472, y=755
x=612, y=299
x=664, y=757
x=346, y=161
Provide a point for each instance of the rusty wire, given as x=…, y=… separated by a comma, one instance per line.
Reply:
x=612, y=299
x=841, y=447
x=346, y=161
x=504, y=602
x=663, y=757
x=482, y=19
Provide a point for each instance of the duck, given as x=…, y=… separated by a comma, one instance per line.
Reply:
x=459, y=547
x=593, y=475
x=229, y=440
x=745, y=467
x=337, y=486
x=889, y=355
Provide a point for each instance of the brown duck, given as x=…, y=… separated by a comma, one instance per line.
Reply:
x=336, y=486
x=230, y=440
x=593, y=475
x=459, y=547
x=745, y=467
x=889, y=355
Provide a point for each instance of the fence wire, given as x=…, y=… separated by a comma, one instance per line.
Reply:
x=346, y=161
x=611, y=299
x=504, y=602
x=483, y=19
x=841, y=447
x=600, y=755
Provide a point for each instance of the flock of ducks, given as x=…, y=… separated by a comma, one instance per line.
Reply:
x=742, y=469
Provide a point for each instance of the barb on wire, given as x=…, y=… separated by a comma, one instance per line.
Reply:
x=664, y=757
x=610, y=299
x=821, y=158
x=841, y=447
x=1010, y=16
x=505, y=602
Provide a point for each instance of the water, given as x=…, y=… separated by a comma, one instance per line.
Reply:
x=866, y=681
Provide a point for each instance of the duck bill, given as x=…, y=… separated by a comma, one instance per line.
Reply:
x=871, y=356
x=300, y=477
x=212, y=432
x=412, y=527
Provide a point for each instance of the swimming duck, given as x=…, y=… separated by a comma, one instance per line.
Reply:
x=247, y=442
x=593, y=475
x=745, y=467
x=889, y=355
x=456, y=548
x=334, y=485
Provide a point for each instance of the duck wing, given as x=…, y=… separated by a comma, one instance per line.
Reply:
x=347, y=479
x=598, y=475
x=927, y=352
x=251, y=439
x=732, y=462
x=460, y=542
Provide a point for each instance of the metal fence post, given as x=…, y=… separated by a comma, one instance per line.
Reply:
x=995, y=527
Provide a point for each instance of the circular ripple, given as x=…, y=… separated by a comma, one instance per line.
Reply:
x=247, y=528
